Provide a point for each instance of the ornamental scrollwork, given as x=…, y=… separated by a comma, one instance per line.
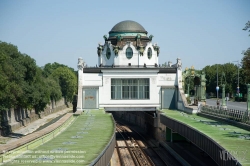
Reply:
x=99, y=49
x=105, y=37
x=141, y=50
x=150, y=37
x=119, y=38
x=157, y=49
x=116, y=49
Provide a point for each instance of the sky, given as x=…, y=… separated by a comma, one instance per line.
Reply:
x=198, y=32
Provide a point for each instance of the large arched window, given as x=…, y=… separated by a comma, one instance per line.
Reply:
x=108, y=53
x=129, y=53
x=149, y=53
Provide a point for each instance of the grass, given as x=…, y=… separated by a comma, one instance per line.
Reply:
x=79, y=144
x=233, y=139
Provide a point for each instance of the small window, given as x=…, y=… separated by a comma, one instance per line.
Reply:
x=108, y=53
x=129, y=53
x=149, y=53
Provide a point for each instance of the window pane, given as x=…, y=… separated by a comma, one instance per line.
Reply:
x=118, y=92
x=112, y=92
x=129, y=52
x=130, y=88
x=134, y=92
x=108, y=53
x=149, y=53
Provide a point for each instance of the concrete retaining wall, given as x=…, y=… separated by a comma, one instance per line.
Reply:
x=16, y=118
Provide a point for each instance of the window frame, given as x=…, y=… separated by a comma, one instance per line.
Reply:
x=108, y=55
x=130, y=89
x=128, y=54
x=149, y=53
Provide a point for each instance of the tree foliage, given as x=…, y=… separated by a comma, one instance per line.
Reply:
x=246, y=58
x=24, y=84
x=247, y=27
x=49, y=68
x=67, y=80
x=231, y=75
x=62, y=75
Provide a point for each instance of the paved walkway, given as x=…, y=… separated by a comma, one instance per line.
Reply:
x=33, y=126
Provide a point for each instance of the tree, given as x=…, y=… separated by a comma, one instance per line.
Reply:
x=49, y=68
x=246, y=58
x=247, y=26
x=11, y=76
x=52, y=84
x=231, y=76
x=67, y=80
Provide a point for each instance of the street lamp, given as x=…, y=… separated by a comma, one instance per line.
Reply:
x=238, y=85
x=217, y=87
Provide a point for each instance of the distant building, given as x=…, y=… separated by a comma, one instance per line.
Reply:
x=128, y=76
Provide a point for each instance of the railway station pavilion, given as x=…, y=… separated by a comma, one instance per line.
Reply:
x=128, y=76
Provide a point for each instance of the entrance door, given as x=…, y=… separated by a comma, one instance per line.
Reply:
x=90, y=98
x=168, y=98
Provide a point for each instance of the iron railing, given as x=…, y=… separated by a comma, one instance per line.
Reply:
x=231, y=114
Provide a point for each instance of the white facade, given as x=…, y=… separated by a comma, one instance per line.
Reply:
x=101, y=82
x=128, y=76
x=122, y=60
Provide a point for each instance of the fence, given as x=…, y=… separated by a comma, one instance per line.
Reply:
x=231, y=114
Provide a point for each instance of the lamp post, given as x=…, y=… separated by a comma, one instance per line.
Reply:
x=238, y=85
x=223, y=84
x=217, y=88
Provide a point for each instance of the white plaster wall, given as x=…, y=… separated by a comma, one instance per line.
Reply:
x=92, y=79
x=122, y=60
x=166, y=79
x=153, y=59
x=105, y=60
x=103, y=81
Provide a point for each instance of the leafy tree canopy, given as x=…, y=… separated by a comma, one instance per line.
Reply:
x=24, y=84
x=67, y=80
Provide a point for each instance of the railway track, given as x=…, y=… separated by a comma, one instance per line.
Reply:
x=133, y=149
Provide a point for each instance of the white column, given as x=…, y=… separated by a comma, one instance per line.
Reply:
x=179, y=72
x=80, y=84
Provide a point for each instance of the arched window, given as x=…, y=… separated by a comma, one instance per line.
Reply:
x=149, y=53
x=129, y=53
x=108, y=53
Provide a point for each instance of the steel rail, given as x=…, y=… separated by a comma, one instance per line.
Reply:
x=128, y=147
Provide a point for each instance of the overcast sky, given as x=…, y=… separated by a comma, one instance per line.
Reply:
x=197, y=31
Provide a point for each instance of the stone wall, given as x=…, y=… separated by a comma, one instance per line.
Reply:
x=148, y=122
x=13, y=119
